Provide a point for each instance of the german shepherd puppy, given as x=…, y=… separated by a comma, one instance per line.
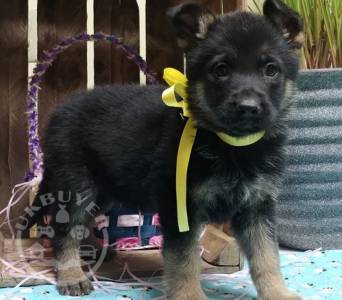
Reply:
x=117, y=145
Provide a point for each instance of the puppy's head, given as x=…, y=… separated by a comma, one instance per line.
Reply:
x=239, y=65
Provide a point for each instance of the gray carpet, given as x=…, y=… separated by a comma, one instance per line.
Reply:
x=310, y=207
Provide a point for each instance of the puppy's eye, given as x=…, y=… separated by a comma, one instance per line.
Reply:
x=221, y=70
x=271, y=70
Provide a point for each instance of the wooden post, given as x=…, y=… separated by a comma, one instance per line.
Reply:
x=142, y=35
x=90, y=45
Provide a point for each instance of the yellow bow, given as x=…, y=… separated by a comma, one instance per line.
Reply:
x=178, y=84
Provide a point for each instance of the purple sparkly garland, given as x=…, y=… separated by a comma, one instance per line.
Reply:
x=35, y=151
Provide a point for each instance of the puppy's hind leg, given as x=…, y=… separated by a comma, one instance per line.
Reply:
x=254, y=230
x=71, y=279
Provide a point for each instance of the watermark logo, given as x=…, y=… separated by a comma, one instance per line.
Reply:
x=56, y=222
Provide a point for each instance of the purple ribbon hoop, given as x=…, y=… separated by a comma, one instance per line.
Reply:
x=35, y=151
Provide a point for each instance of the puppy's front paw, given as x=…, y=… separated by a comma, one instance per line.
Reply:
x=290, y=296
x=80, y=288
x=282, y=296
x=188, y=295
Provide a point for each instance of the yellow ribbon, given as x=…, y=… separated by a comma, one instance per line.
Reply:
x=178, y=84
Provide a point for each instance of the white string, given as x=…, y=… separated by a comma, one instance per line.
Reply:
x=18, y=192
x=96, y=281
x=37, y=275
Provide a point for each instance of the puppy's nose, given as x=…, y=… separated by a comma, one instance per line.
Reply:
x=249, y=107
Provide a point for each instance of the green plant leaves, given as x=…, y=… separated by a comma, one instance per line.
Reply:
x=323, y=30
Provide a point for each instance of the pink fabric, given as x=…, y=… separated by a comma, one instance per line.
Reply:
x=127, y=243
x=133, y=242
x=156, y=241
x=130, y=220
x=156, y=220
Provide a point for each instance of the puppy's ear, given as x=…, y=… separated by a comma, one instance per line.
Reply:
x=286, y=20
x=191, y=22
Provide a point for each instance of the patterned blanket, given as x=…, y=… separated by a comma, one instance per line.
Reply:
x=316, y=275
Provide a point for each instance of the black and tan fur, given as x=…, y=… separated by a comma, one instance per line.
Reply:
x=117, y=145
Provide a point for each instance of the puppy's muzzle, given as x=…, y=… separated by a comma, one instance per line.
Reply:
x=248, y=104
x=248, y=110
x=249, y=107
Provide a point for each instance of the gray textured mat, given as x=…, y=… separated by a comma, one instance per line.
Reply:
x=310, y=207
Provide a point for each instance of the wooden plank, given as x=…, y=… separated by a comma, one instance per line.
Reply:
x=102, y=22
x=231, y=5
x=224, y=6
x=214, y=6
x=13, y=85
x=57, y=19
x=121, y=19
x=162, y=48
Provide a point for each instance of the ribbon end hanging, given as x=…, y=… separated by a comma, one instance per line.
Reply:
x=183, y=159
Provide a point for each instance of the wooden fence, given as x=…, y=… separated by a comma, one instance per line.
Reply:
x=29, y=27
